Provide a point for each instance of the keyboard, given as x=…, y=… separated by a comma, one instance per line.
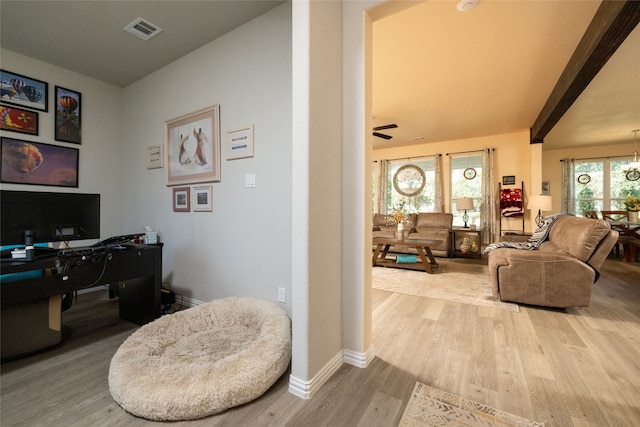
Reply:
x=76, y=252
x=116, y=240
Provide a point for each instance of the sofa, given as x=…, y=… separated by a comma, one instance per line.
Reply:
x=561, y=271
x=420, y=226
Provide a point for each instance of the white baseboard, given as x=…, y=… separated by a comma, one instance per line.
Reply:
x=189, y=302
x=306, y=389
x=358, y=359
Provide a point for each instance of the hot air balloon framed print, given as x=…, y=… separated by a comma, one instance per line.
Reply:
x=23, y=91
x=68, y=116
x=193, y=147
x=27, y=162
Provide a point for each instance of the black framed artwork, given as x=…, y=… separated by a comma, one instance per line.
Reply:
x=509, y=180
x=28, y=162
x=18, y=120
x=22, y=91
x=68, y=115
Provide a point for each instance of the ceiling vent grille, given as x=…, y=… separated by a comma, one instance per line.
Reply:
x=142, y=28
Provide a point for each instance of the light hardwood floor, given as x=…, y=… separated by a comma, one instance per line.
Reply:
x=560, y=367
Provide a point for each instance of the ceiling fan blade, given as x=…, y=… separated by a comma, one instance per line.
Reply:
x=382, y=135
x=389, y=126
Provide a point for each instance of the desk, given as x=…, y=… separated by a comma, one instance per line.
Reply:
x=137, y=270
x=427, y=261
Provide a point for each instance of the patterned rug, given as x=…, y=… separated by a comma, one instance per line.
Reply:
x=432, y=407
x=454, y=280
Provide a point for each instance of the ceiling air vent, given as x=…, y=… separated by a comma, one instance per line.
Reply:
x=142, y=28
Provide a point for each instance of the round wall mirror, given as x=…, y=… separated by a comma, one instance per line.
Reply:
x=409, y=180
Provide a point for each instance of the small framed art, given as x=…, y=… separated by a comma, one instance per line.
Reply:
x=203, y=198
x=18, y=120
x=68, y=115
x=24, y=91
x=181, y=199
x=155, y=156
x=509, y=180
x=240, y=143
x=546, y=188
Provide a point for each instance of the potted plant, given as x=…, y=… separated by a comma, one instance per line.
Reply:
x=399, y=214
x=632, y=204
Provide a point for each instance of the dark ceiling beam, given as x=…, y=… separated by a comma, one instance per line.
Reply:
x=612, y=23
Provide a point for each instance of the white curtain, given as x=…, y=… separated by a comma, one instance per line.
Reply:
x=568, y=186
x=382, y=186
x=438, y=204
x=488, y=212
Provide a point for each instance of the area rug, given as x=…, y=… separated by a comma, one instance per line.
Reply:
x=466, y=283
x=432, y=407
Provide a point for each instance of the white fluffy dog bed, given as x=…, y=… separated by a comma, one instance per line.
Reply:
x=202, y=360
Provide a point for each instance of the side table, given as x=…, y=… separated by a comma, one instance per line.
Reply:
x=457, y=234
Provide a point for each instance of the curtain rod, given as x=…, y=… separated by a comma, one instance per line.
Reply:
x=472, y=151
x=597, y=158
x=414, y=157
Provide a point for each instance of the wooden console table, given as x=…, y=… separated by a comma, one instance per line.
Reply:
x=426, y=262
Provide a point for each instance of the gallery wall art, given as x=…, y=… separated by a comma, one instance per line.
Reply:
x=193, y=147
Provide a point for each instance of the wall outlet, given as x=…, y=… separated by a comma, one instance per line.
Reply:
x=282, y=295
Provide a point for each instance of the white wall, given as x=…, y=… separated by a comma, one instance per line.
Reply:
x=102, y=150
x=243, y=247
x=317, y=199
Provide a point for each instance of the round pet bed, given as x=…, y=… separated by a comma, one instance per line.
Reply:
x=202, y=360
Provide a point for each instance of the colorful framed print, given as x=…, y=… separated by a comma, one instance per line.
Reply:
x=68, y=115
x=181, y=199
x=203, y=198
x=193, y=147
x=240, y=143
x=18, y=120
x=26, y=162
x=23, y=91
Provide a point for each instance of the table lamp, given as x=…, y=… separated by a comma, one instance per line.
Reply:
x=465, y=203
x=541, y=203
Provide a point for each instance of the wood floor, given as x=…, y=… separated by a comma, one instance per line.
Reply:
x=560, y=367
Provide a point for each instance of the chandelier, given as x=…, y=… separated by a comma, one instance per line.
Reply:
x=632, y=170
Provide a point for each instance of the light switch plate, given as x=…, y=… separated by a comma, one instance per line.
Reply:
x=250, y=180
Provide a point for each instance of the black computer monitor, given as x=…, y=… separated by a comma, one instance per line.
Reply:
x=51, y=217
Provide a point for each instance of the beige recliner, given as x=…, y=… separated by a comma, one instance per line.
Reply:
x=561, y=273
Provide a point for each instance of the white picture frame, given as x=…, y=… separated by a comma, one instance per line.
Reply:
x=240, y=143
x=193, y=147
x=546, y=188
x=155, y=156
x=203, y=198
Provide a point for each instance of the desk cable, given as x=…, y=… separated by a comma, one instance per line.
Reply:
x=69, y=266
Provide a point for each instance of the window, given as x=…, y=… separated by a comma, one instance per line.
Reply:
x=467, y=184
x=601, y=185
x=413, y=182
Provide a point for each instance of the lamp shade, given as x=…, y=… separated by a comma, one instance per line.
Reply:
x=541, y=203
x=464, y=203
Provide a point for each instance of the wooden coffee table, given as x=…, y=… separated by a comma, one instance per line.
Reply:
x=426, y=260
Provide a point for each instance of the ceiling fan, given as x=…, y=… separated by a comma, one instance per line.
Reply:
x=382, y=135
